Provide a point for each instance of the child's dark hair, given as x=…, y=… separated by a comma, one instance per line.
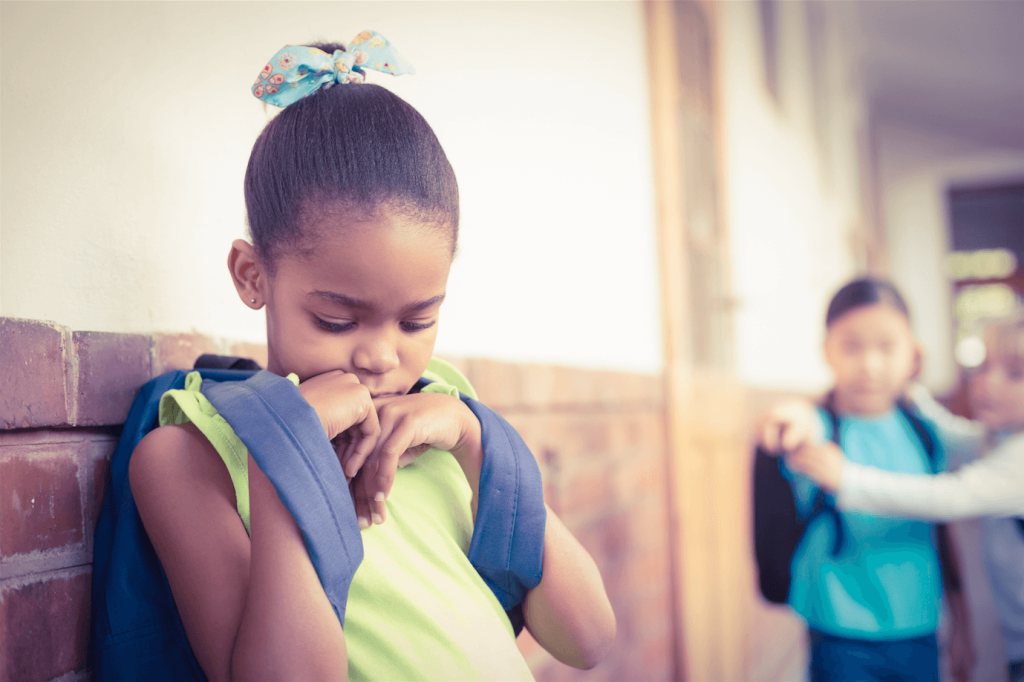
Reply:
x=351, y=147
x=861, y=292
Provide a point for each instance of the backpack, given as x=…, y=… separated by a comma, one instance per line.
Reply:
x=778, y=528
x=137, y=633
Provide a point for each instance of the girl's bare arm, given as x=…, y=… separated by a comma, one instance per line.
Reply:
x=288, y=630
x=252, y=608
x=568, y=613
x=187, y=504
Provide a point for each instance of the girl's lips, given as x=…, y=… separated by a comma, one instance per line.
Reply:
x=374, y=396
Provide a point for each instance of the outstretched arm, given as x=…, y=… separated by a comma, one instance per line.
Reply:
x=962, y=439
x=988, y=487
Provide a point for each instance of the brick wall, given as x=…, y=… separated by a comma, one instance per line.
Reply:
x=598, y=436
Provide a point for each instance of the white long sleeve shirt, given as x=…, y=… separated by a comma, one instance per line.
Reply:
x=992, y=486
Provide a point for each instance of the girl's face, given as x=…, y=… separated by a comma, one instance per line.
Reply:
x=997, y=390
x=365, y=302
x=873, y=355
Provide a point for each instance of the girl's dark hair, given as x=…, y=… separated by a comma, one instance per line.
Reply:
x=861, y=292
x=352, y=147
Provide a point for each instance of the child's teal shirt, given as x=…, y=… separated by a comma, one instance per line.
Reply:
x=886, y=583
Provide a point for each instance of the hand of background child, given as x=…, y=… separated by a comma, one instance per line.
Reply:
x=822, y=462
x=409, y=426
x=347, y=413
x=789, y=425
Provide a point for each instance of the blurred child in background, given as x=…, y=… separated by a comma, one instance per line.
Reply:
x=992, y=486
x=872, y=608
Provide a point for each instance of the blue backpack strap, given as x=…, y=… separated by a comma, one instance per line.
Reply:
x=507, y=548
x=137, y=633
x=286, y=439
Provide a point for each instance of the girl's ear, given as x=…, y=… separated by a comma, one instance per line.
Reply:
x=247, y=274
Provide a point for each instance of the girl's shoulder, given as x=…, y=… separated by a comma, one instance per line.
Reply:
x=176, y=462
x=444, y=372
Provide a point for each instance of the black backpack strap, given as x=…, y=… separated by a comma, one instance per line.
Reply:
x=823, y=505
x=212, y=361
x=1020, y=524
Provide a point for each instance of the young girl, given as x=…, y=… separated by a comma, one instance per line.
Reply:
x=872, y=609
x=991, y=487
x=353, y=214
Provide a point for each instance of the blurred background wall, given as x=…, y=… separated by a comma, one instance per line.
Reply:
x=122, y=188
x=658, y=198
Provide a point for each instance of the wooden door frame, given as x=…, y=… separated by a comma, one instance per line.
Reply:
x=706, y=451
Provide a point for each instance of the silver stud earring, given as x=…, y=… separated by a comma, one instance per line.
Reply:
x=252, y=300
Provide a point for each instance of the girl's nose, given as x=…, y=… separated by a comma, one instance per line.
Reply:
x=872, y=364
x=376, y=354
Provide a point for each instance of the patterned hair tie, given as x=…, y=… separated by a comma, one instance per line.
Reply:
x=297, y=71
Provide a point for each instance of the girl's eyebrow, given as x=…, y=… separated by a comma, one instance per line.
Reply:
x=341, y=299
x=423, y=305
x=359, y=304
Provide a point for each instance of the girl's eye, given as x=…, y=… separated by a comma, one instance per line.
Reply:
x=335, y=327
x=416, y=326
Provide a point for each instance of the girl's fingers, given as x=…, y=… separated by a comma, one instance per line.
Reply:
x=361, y=501
x=365, y=435
x=793, y=435
x=346, y=456
x=390, y=448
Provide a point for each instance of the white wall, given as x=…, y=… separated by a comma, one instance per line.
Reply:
x=127, y=127
x=916, y=168
x=791, y=208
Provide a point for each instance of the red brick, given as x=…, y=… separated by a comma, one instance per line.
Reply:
x=111, y=368
x=648, y=522
x=606, y=538
x=253, y=351
x=639, y=479
x=464, y=365
x=179, y=351
x=40, y=502
x=33, y=390
x=656, y=659
x=585, y=493
x=44, y=629
x=538, y=383
x=647, y=570
x=99, y=473
x=499, y=384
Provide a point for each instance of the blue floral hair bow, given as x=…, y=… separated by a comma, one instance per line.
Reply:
x=297, y=71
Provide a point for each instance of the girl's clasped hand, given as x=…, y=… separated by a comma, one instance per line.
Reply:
x=375, y=437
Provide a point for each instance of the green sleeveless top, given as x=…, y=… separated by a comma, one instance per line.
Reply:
x=417, y=609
